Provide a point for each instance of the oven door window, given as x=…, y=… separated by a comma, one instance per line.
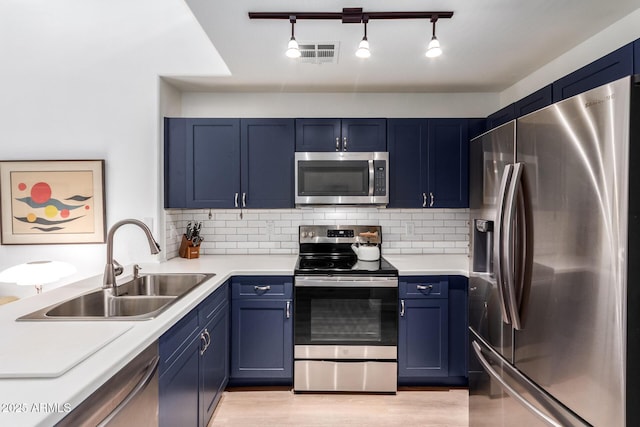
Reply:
x=346, y=316
x=333, y=178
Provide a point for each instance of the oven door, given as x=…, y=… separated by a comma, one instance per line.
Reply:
x=346, y=318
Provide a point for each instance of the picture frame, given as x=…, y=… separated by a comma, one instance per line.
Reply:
x=52, y=202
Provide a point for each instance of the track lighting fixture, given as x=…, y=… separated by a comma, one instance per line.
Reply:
x=363, y=47
x=433, y=48
x=293, y=51
x=355, y=15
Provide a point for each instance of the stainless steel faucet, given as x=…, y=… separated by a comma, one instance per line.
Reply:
x=113, y=268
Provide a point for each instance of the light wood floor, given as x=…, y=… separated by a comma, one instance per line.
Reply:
x=283, y=408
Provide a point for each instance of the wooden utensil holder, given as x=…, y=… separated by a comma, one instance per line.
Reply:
x=187, y=250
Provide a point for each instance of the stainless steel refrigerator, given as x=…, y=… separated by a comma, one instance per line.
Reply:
x=554, y=286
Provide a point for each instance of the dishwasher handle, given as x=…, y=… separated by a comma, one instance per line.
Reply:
x=150, y=371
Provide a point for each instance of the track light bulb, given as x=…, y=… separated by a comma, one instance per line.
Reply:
x=293, y=51
x=433, y=49
x=363, y=49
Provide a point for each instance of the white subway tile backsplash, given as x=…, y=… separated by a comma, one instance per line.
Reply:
x=275, y=231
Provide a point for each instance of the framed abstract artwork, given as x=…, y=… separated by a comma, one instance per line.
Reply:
x=52, y=202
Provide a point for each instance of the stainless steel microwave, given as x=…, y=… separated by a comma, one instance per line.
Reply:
x=342, y=178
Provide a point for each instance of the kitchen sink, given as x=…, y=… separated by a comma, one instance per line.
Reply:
x=140, y=298
x=161, y=284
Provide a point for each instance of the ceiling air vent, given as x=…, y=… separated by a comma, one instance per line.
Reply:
x=319, y=53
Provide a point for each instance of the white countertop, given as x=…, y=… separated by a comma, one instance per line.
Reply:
x=98, y=363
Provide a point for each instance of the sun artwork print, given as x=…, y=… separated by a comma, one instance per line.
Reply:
x=60, y=202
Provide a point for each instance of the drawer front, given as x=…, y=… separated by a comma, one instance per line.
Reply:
x=274, y=287
x=424, y=287
x=209, y=307
x=175, y=340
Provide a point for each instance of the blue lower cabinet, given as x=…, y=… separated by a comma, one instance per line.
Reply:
x=261, y=342
x=214, y=368
x=194, y=363
x=432, y=331
x=179, y=389
x=261, y=330
x=424, y=339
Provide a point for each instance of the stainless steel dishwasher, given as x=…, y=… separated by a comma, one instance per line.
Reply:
x=129, y=398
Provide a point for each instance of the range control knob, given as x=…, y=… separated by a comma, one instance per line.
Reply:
x=310, y=234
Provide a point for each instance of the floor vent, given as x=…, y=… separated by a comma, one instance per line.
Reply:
x=319, y=53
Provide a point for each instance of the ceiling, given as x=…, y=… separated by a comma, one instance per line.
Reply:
x=488, y=45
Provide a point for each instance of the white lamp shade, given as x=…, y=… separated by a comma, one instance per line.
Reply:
x=433, y=49
x=293, y=51
x=37, y=273
x=363, y=49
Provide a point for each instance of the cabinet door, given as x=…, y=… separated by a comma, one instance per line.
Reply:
x=423, y=343
x=537, y=100
x=364, y=135
x=267, y=163
x=636, y=57
x=407, y=140
x=214, y=363
x=175, y=163
x=261, y=343
x=213, y=162
x=613, y=66
x=318, y=135
x=501, y=116
x=178, y=390
x=448, y=165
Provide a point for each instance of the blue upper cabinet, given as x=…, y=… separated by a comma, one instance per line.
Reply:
x=341, y=135
x=318, y=135
x=202, y=162
x=448, y=170
x=229, y=163
x=501, y=116
x=267, y=163
x=213, y=162
x=636, y=57
x=537, y=100
x=428, y=163
x=407, y=139
x=364, y=134
x=613, y=66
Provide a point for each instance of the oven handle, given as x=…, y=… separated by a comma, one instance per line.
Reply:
x=346, y=281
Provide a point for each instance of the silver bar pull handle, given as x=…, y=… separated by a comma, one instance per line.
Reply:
x=424, y=200
x=510, y=242
x=337, y=143
x=288, y=309
x=401, y=308
x=510, y=391
x=424, y=287
x=372, y=177
x=431, y=198
x=262, y=288
x=244, y=200
x=344, y=144
x=500, y=241
x=151, y=369
x=204, y=343
x=235, y=200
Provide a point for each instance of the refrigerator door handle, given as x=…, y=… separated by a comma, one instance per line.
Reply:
x=500, y=259
x=510, y=390
x=510, y=243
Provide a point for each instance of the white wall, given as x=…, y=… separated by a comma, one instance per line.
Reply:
x=80, y=81
x=278, y=104
x=611, y=38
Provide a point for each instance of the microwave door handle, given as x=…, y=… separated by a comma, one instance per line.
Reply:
x=371, y=177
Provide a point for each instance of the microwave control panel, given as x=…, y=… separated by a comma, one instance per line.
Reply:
x=379, y=178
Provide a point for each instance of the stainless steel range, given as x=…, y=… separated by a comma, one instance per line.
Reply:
x=346, y=312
